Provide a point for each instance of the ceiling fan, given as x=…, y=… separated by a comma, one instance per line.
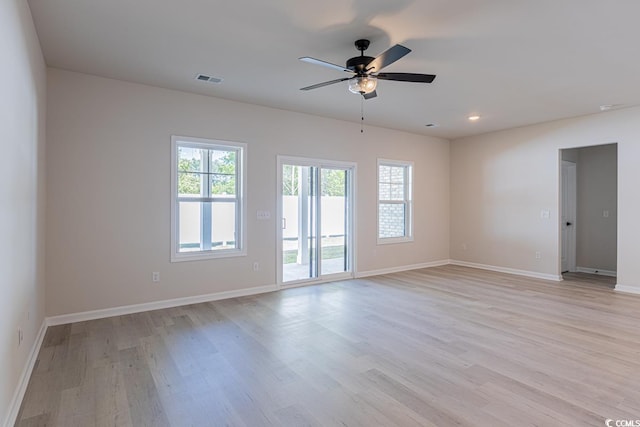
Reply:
x=365, y=70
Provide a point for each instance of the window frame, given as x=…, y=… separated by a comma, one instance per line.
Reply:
x=239, y=200
x=407, y=201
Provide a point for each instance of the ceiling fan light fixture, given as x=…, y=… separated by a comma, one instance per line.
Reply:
x=363, y=84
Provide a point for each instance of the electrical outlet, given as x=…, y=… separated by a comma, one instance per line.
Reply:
x=538, y=255
x=256, y=266
x=155, y=276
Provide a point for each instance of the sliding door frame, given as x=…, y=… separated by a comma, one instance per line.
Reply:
x=350, y=239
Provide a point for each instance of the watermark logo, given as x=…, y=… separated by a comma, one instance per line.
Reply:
x=621, y=423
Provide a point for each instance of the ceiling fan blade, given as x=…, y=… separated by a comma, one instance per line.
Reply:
x=370, y=95
x=324, y=64
x=324, y=84
x=407, y=77
x=387, y=57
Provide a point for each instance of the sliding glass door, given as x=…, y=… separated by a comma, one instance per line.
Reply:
x=334, y=205
x=299, y=230
x=315, y=205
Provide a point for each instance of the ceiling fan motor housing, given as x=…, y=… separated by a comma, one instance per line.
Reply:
x=357, y=64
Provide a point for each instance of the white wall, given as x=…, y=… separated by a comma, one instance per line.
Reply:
x=109, y=142
x=501, y=181
x=22, y=121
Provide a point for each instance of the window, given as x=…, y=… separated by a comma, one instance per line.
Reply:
x=207, y=198
x=394, y=201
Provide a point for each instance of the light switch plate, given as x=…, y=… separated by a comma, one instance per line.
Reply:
x=263, y=215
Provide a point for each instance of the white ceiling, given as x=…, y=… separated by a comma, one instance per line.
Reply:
x=513, y=62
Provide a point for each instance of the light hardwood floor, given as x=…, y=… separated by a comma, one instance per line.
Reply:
x=434, y=347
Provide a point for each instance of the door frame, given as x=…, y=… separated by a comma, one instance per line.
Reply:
x=350, y=223
x=568, y=193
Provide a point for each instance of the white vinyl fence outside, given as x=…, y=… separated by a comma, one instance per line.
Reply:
x=332, y=216
x=223, y=218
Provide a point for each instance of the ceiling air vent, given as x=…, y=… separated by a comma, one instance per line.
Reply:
x=205, y=78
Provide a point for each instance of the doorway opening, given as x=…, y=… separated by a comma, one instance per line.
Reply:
x=315, y=204
x=589, y=210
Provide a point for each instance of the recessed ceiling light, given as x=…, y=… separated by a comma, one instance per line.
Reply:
x=474, y=118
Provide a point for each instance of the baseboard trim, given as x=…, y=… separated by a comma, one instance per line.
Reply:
x=156, y=305
x=628, y=289
x=389, y=270
x=23, y=382
x=526, y=273
x=599, y=271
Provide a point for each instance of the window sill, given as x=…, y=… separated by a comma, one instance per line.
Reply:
x=200, y=256
x=394, y=240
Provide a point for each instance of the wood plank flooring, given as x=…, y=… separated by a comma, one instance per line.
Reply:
x=446, y=346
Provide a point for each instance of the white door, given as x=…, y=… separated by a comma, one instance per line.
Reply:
x=568, y=217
